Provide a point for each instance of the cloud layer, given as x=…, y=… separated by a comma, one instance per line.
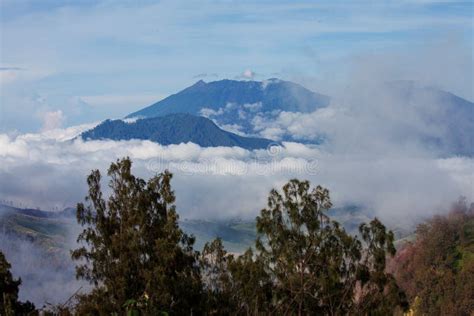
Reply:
x=49, y=171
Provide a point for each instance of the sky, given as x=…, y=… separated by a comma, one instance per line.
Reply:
x=65, y=63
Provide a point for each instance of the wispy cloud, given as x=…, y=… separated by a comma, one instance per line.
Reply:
x=135, y=100
x=247, y=74
x=206, y=75
x=53, y=120
x=10, y=68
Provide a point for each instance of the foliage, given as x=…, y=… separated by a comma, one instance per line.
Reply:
x=305, y=263
x=215, y=273
x=234, y=285
x=133, y=248
x=141, y=263
x=437, y=269
x=9, y=287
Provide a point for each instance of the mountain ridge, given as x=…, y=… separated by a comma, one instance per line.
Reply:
x=445, y=120
x=174, y=129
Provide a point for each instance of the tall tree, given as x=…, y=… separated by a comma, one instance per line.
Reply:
x=234, y=285
x=133, y=251
x=315, y=266
x=378, y=291
x=251, y=285
x=9, y=287
x=216, y=278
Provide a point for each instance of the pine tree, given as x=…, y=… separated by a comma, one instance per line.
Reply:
x=134, y=253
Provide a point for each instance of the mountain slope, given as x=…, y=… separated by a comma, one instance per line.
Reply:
x=271, y=95
x=55, y=231
x=49, y=230
x=174, y=129
x=447, y=118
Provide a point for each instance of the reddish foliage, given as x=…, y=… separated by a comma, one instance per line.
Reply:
x=438, y=266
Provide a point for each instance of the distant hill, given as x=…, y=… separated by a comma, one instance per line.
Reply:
x=174, y=129
x=450, y=117
x=269, y=95
x=49, y=230
x=54, y=231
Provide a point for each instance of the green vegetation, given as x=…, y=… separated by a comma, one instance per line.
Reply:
x=139, y=260
x=41, y=228
x=133, y=247
x=303, y=264
x=437, y=269
x=9, y=303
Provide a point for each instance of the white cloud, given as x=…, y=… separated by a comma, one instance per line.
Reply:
x=53, y=120
x=233, y=128
x=307, y=126
x=207, y=112
x=253, y=107
x=249, y=74
x=44, y=170
x=12, y=148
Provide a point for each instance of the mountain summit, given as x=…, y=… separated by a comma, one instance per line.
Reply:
x=268, y=95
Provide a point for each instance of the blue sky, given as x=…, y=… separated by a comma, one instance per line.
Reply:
x=70, y=62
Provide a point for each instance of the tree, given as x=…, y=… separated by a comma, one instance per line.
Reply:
x=9, y=287
x=437, y=269
x=252, y=286
x=378, y=291
x=140, y=262
x=314, y=265
x=216, y=278
x=133, y=249
x=304, y=263
x=234, y=285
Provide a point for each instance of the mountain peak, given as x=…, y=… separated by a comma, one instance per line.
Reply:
x=273, y=94
x=199, y=83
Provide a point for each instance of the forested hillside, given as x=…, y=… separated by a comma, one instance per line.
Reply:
x=436, y=270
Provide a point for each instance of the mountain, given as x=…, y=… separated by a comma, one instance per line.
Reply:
x=448, y=119
x=269, y=95
x=235, y=105
x=174, y=129
x=439, y=120
x=49, y=230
